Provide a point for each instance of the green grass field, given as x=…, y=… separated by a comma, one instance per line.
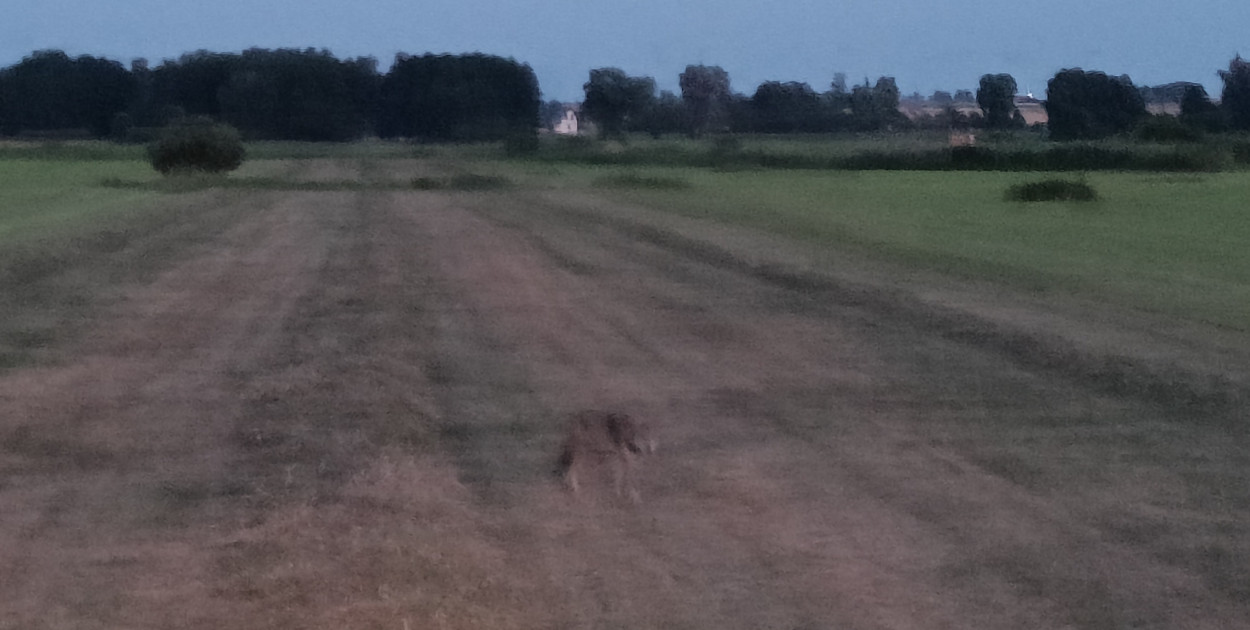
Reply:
x=67, y=237
x=1163, y=242
x=367, y=347
x=1168, y=243
x=44, y=198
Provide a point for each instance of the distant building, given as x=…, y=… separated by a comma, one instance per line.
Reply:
x=962, y=139
x=1032, y=110
x=567, y=126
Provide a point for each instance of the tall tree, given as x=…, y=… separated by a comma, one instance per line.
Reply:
x=192, y=83
x=705, y=90
x=838, y=98
x=875, y=106
x=996, y=97
x=615, y=99
x=1235, y=99
x=49, y=90
x=144, y=109
x=470, y=97
x=1086, y=105
x=364, y=85
x=10, y=123
x=667, y=114
x=838, y=85
x=289, y=94
x=1198, y=111
x=550, y=113
x=785, y=107
x=1166, y=94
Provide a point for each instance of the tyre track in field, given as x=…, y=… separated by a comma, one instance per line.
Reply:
x=1200, y=395
x=114, y=462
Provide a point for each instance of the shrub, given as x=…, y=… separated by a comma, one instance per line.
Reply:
x=1052, y=190
x=197, y=144
x=1193, y=158
x=1165, y=128
x=635, y=180
x=1241, y=152
x=1084, y=157
x=1091, y=105
x=519, y=143
x=973, y=157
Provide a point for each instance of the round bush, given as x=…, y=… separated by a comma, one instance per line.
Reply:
x=1052, y=190
x=197, y=144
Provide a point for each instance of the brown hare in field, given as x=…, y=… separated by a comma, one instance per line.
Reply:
x=596, y=438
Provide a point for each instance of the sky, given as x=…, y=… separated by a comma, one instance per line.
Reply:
x=926, y=45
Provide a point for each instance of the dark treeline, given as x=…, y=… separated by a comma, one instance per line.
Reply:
x=309, y=94
x=1081, y=105
x=49, y=90
x=1087, y=104
x=466, y=97
x=619, y=103
x=282, y=94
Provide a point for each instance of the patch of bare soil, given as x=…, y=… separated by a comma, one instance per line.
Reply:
x=346, y=412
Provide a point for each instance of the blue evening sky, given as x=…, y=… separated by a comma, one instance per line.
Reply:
x=926, y=44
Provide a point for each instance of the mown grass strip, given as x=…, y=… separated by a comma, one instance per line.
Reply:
x=1197, y=397
x=64, y=239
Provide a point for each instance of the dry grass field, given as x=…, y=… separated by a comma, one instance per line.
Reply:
x=334, y=406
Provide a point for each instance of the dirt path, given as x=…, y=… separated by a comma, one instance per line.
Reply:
x=344, y=413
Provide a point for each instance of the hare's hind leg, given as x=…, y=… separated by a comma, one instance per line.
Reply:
x=623, y=477
x=570, y=478
x=567, y=467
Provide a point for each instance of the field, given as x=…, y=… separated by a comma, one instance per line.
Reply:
x=327, y=391
x=1166, y=243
